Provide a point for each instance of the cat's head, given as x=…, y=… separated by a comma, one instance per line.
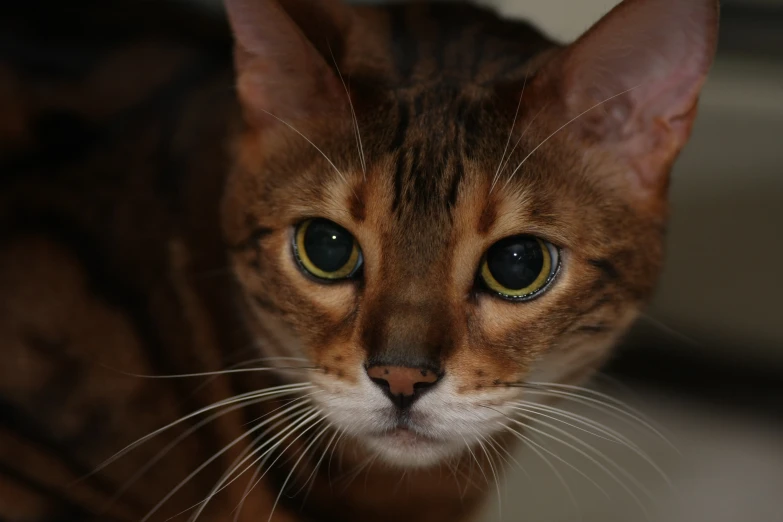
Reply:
x=438, y=208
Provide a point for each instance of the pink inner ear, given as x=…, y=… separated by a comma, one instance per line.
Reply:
x=662, y=49
x=645, y=63
x=279, y=70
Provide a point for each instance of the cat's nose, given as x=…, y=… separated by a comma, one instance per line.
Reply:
x=401, y=384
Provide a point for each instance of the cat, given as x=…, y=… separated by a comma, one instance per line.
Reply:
x=245, y=263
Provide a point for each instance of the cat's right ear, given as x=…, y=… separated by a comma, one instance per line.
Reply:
x=632, y=82
x=285, y=51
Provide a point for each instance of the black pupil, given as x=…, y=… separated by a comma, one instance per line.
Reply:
x=328, y=245
x=516, y=262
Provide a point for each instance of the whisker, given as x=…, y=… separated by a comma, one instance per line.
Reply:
x=491, y=441
x=369, y=469
x=600, y=401
x=499, y=446
x=308, y=420
x=494, y=474
x=609, y=409
x=252, y=446
x=250, y=361
x=163, y=452
x=563, y=127
x=290, y=473
x=353, y=115
x=339, y=173
x=617, y=436
x=530, y=410
x=481, y=469
x=270, y=393
x=350, y=476
x=275, y=442
x=533, y=445
x=256, y=419
x=246, y=493
x=595, y=461
x=306, y=442
x=205, y=464
x=259, y=468
x=266, y=359
x=519, y=140
x=329, y=465
x=403, y=476
x=218, y=372
x=311, y=479
x=469, y=482
x=671, y=331
x=530, y=441
x=259, y=464
x=452, y=466
x=628, y=391
x=590, y=391
x=340, y=458
x=584, y=444
x=510, y=134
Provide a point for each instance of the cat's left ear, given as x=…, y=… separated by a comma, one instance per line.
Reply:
x=285, y=56
x=645, y=62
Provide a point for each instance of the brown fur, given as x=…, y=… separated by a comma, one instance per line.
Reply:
x=145, y=226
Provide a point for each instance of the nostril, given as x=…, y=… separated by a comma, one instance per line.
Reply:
x=383, y=383
x=401, y=384
x=421, y=386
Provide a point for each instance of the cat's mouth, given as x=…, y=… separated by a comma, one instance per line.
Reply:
x=433, y=429
x=408, y=446
x=406, y=435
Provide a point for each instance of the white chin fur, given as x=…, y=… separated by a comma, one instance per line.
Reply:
x=442, y=423
x=408, y=451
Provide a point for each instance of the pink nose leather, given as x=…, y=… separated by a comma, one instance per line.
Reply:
x=402, y=381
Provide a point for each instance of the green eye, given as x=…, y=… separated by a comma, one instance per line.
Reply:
x=519, y=267
x=326, y=250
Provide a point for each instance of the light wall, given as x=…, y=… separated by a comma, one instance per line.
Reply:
x=563, y=20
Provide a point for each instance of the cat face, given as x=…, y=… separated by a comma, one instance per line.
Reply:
x=438, y=223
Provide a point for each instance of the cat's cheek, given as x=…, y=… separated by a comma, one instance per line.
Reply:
x=340, y=364
x=515, y=325
x=356, y=405
x=579, y=356
x=276, y=339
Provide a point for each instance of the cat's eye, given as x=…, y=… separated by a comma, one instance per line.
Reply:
x=519, y=267
x=326, y=250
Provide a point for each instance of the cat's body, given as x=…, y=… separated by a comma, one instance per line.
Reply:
x=137, y=237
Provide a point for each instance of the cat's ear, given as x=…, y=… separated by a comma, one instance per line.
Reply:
x=645, y=62
x=285, y=54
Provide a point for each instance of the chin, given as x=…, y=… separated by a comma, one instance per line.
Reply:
x=405, y=448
